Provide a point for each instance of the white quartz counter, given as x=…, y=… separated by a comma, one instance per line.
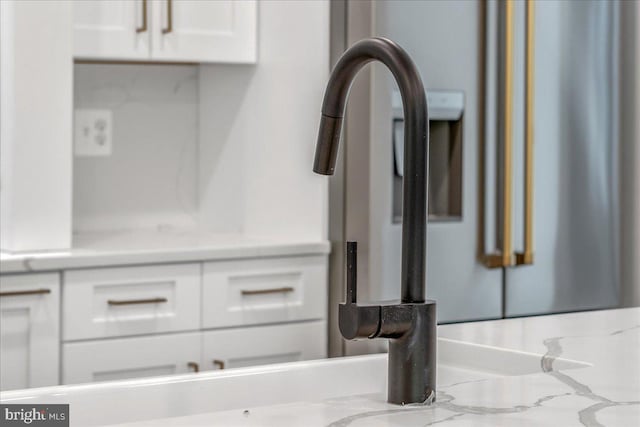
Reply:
x=608, y=393
x=603, y=390
x=150, y=247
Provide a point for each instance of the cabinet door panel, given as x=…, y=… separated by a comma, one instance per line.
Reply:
x=29, y=331
x=204, y=31
x=108, y=29
x=259, y=345
x=138, y=357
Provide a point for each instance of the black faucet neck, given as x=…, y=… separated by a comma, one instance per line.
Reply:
x=416, y=146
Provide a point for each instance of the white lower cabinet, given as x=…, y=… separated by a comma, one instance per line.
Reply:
x=137, y=357
x=259, y=345
x=116, y=302
x=29, y=330
x=155, y=320
x=260, y=291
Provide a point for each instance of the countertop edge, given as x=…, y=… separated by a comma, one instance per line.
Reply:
x=112, y=258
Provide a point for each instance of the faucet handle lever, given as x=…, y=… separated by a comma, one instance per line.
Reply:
x=352, y=272
x=356, y=321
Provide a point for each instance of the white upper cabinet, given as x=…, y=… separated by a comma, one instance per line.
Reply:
x=116, y=29
x=204, y=31
x=166, y=30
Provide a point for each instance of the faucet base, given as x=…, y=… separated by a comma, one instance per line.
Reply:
x=412, y=357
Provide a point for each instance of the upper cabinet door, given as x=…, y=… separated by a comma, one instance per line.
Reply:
x=204, y=31
x=112, y=30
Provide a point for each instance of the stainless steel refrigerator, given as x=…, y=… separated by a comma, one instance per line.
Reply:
x=523, y=188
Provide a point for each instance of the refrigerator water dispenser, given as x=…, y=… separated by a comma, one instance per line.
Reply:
x=446, y=112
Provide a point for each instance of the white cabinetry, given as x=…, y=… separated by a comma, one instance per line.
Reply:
x=237, y=348
x=111, y=29
x=204, y=31
x=249, y=292
x=139, y=357
x=115, y=302
x=153, y=320
x=166, y=30
x=281, y=303
x=29, y=331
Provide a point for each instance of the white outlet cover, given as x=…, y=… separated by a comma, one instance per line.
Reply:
x=92, y=133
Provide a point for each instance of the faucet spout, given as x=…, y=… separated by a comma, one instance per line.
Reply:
x=416, y=146
x=410, y=325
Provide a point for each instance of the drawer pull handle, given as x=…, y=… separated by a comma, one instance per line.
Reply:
x=218, y=363
x=143, y=28
x=284, y=290
x=21, y=293
x=194, y=366
x=169, y=26
x=136, y=301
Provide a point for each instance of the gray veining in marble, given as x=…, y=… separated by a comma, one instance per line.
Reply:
x=587, y=415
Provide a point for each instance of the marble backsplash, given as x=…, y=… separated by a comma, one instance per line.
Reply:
x=150, y=181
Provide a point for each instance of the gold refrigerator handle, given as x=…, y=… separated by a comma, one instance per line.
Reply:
x=503, y=257
x=526, y=257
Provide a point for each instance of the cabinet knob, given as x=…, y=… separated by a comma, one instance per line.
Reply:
x=218, y=363
x=194, y=366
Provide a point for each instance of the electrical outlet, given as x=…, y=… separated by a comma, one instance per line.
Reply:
x=93, y=132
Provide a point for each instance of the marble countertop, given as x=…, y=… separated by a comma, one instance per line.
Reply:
x=582, y=369
x=91, y=250
x=604, y=394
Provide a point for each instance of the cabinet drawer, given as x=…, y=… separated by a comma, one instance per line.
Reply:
x=114, y=302
x=29, y=331
x=249, y=292
x=135, y=357
x=260, y=345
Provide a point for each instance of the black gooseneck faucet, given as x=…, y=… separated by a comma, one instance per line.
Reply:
x=410, y=324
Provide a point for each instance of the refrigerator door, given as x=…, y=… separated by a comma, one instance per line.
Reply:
x=444, y=39
x=575, y=207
